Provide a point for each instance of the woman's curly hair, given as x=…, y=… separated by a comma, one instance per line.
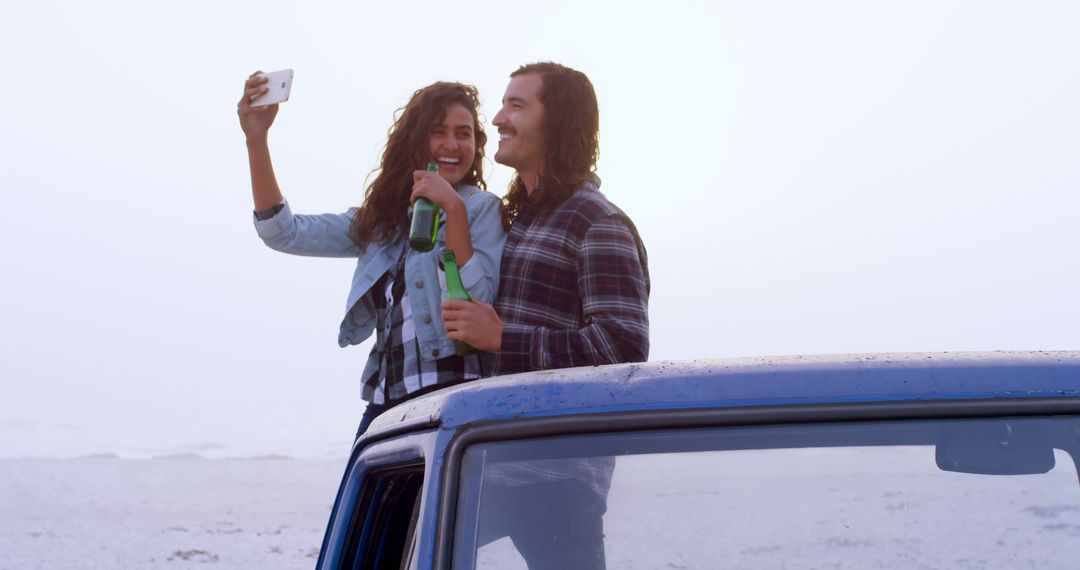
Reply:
x=384, y=215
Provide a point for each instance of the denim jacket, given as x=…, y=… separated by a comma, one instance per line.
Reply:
x=327, y=235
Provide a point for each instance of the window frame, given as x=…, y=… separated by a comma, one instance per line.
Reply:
x=675, y=419
x=380, y=503
x=371, y=461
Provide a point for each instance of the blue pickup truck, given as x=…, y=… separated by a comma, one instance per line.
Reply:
x=958, y=460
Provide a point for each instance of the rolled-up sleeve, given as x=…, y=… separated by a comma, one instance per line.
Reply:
x=270, y=228
x=480, y=274
x=321, y=235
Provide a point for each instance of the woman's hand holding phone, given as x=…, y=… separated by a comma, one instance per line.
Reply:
x=255, y=121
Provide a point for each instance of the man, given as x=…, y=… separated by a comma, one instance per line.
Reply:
x=574, y=280
x=573, y=291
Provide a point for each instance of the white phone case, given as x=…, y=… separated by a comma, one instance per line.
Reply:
x=280, y=85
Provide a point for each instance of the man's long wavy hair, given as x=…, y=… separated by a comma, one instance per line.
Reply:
x=571, y=127
x=384, y=215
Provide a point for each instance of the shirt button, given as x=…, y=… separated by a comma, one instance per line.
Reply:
x=435, y=352
x=419, y=284
x=426, y=319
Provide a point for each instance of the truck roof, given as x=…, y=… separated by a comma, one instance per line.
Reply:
x=748, y=381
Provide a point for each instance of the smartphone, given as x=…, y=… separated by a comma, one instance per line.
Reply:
x=279, y=86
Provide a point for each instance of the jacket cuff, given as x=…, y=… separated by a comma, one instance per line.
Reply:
x=471, y=273
x=276, y=225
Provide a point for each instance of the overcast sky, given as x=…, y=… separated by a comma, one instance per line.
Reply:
x=809, y=177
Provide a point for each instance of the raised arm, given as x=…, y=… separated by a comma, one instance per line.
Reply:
x=255, y=122
x=325, y=235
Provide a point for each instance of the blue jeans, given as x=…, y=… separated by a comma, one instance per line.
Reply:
x=370, y=413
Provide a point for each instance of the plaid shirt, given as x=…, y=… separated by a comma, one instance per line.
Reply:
x=395, y=370
x=573, y=287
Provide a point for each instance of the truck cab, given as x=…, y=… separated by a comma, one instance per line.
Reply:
x=852, y=461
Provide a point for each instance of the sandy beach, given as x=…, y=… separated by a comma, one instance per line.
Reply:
x=176, y=512
x=835, y=508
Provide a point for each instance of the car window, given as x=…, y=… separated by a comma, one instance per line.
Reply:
x=1000, y=493
x=383, y=528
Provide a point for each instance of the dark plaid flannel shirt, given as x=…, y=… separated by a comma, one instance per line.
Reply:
x=573, y=287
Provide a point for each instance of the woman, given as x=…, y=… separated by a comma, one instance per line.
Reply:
x=396, y=291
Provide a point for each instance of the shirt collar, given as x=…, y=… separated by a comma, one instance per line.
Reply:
x=591, y=180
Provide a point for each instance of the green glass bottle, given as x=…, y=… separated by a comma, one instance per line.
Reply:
x=455, y=289
x=425, y=220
